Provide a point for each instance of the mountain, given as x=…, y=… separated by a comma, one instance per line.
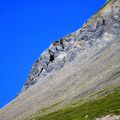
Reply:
x=77, y=77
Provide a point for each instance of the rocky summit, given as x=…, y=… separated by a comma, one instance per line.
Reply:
x=77, y=77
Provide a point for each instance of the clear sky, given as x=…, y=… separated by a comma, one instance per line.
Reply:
x=27, y=27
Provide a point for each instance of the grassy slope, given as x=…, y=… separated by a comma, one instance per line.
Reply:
x=109, y=104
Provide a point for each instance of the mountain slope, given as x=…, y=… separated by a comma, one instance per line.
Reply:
x=81, y=67
x=90, y=110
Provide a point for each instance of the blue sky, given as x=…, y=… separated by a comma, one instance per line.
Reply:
x=27, y=27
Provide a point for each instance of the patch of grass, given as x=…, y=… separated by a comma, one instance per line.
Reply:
x=109, y=104
x=52, y=106
x=47, y=109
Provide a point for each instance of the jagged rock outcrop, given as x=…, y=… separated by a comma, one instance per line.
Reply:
x=83, y=66
x=104, y=25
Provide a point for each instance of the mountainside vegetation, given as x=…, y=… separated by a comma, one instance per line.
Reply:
x=110, y=104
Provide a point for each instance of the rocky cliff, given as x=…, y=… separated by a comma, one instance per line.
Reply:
x=81, y=67
x=98, y=30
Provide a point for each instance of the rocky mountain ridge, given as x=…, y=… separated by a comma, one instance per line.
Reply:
x=82, y=67
x=66, y=49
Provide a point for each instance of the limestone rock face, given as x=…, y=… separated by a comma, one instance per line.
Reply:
x=82, y=66
x=96, y=32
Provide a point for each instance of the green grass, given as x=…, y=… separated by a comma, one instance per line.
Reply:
x=109, y=104
x=52, y=106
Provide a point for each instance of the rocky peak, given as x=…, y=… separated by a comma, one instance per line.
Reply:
x=95, y=33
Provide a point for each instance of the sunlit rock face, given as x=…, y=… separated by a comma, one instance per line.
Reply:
x=80, y=67
x=95, y=33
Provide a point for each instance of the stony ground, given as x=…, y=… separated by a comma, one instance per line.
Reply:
x=86, y=71
x=110, y=117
